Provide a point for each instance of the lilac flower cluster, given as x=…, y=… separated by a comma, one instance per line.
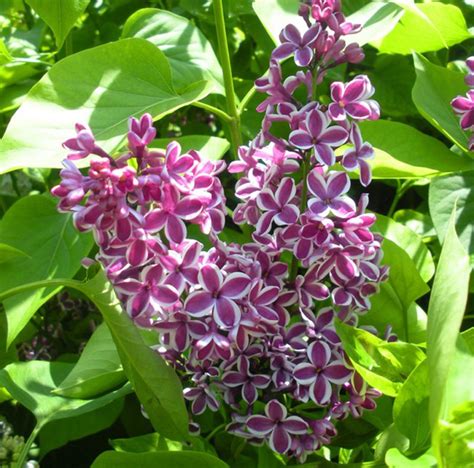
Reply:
x=464, y=105
x=250, y=325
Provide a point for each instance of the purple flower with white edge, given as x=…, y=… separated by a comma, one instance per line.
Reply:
x=321, y=371
x=171, y=213
x=202, y=397
x=464, y=106
x=357, y=156
x=311, y=287
x=277, y=206
x=277, y=426
x=293, y=43
x=249, y=383
x=352, y=99
x=147, y=291
x=218, y=296
x=470, y=75
x=316, y=133
x=329, y=191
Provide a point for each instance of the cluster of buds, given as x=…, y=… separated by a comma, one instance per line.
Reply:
x=464, y=105
x=250, y=326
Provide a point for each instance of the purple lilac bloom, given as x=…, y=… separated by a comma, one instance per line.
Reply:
x=464, y=105
x=245, y=323
x=277, y=426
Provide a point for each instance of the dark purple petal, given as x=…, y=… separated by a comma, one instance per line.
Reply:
x=234, y=379
x=319, y=354
x=210, y=278
x=280, y=440
x=235, y=286
x=337, y=373
x=301, y=139
x=338, y=183
x=199, y=303
x=227, y=313
x=304, y=374
x=260, y=425
x=295, y=425
x=324, y=154
x=275, y=410
x=249, y=393
x=283, y=51
x=320, y=391
x=175, y=229
x=303, y=56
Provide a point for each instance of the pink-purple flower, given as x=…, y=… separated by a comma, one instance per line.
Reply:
x=353, y=100
x=277, y=426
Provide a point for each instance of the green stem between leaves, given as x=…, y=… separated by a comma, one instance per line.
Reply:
x=232, y=110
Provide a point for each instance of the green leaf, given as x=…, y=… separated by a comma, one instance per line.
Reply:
x=59, y=15
x=394, y=304
x=425, y=27
x=387, y=310
x=395, y=459
x=32, y=383
x=53, y=247
x=212, y=148
x=393, y=77
x=445, y=193
x=389, y=438
x=417, y=221
x=276, y=15
x=183, y=459
x=445, y=313
x=5, y=56
x=8, y=253
x=98, y=369
x=401, y=151
x=101, y=87
x=58, y=433
x=190, y=54
x=139, y=444
x=410, y=409
x=435, y=88
x=377, y=20
x=155, y=383
x=456, y=436
x=410, y=242
x=383, y=365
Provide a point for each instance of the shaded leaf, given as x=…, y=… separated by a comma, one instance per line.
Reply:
x=8, y=253
x=153, y=459
x=154, y=382
x=410, y=242
x=434, y=89
x=383, y=365
x=31, y=383
x=102, y=87
x=58, y=433
x=445, y=312
x=190, y=54
x=445, y=193
x=410, y=409
x=425, y=27
x=98, y=369
x=401, y=151
x=59, y=15
x=53, y=247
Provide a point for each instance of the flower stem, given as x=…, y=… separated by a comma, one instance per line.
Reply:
x=224, y=116
x=21, y=460
x=234, y=123
x=401, y=190
x=304, y=196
